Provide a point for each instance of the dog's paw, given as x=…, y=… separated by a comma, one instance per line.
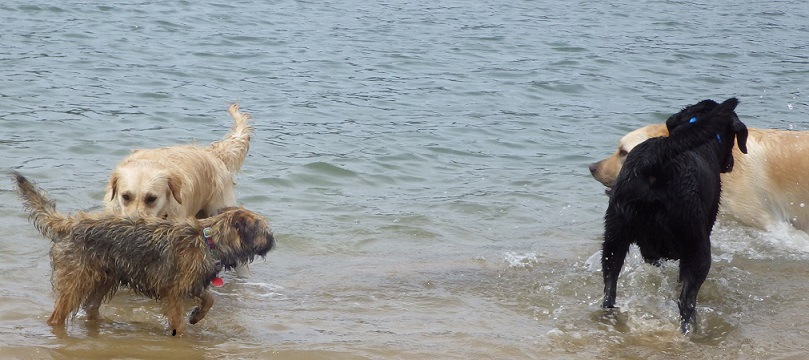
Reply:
x=193, y=318
x=196, y=315
x=608, y=305
x=685, y=328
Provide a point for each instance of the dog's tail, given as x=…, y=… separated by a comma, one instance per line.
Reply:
x=43, y=210
x=232, y=149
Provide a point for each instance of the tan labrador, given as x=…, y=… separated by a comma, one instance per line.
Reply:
x=768, y=185
x=181, y=181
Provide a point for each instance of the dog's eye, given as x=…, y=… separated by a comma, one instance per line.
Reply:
x=150, y=199
x=126, y=197
x=623, y=153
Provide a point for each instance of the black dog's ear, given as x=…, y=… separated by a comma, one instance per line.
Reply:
x=737, y=126
x=727, y=106
x=740, y=130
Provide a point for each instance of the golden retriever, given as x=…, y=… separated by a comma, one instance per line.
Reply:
x=181, y=181
x=767, y=186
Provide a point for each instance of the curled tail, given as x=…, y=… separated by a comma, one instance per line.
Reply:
x=232, y=149
x=43, y=210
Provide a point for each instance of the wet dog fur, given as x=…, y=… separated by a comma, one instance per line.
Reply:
x=766, y=188
x=95, y=254
x=181, y=181
x=666, y=197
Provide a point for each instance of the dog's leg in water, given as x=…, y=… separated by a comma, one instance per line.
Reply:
x=613, y=254
x=173, y=310
x=692, y=274
x=242, y=271
x=93, y=302
x=199, y=312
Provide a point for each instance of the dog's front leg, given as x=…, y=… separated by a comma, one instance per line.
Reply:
x=613, y=254
x=692, y=274
x=199, y=312
x=173, y=310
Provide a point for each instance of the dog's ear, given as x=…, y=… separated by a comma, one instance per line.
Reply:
x=175, y=185
x=113, y=185
x=736, y=125
x=245, y=226
x=726, y=106
x=740, y=130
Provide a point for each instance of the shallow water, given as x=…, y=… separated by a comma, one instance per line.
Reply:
x=424, y=167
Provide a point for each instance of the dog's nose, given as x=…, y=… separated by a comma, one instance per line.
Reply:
x=593, y=169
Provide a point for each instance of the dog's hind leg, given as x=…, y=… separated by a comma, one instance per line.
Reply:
x=613, y=253
x=693, y=273
x=200, y=312
x=65, y=305
x=71, y=288
x=93, y=302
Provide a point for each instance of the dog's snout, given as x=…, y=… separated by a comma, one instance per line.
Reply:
x=593, y=169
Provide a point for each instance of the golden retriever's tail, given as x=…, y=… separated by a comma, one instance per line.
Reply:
x=43, y=210
x=232, y=149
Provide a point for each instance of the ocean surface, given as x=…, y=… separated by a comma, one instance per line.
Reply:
x=423, y=164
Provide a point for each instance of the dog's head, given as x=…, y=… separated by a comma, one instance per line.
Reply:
x=709, y=110
x=606, y=170
x=239, y=235
x=141, y=188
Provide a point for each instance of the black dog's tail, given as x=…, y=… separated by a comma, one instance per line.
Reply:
x=694, y=133
x=43, y=211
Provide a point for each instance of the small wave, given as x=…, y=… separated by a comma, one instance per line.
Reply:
x=266, y=290
x=780, y=241
x=526, y=260
x=257, y=289
x=593, y=263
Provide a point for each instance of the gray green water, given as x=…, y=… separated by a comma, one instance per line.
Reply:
x=424, y=166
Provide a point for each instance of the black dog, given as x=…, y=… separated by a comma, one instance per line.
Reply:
x=666, y=198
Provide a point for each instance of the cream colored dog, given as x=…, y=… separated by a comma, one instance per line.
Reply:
x=768, y=185
x=181, y=181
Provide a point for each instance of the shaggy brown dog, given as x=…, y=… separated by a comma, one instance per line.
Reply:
x=93, y=255
x=180, y=181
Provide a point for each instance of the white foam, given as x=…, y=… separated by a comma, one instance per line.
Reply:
x=593, y=263
x=266, y=290
x=779, y=241
x=525, y=260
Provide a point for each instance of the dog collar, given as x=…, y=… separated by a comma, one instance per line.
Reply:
x=207, y=233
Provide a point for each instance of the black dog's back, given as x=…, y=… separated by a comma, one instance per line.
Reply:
x=666, y=197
